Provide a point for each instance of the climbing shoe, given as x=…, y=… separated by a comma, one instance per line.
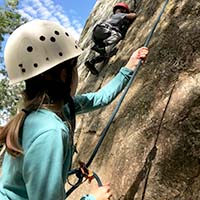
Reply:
x=91, y=67
x=99, y=49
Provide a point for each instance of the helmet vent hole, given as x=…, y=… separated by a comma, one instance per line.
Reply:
x=42, y=38
x=66, y=34
x=53, y=39
x=60, y=54
x=20, y=65
x=23, y=70
x=47, y=59
x=56, y=32
x=29, y=49
x=35, y=65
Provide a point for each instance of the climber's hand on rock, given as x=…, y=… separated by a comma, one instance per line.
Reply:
x=139, y=54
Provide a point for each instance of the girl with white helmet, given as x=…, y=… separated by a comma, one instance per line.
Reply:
x=39, y=139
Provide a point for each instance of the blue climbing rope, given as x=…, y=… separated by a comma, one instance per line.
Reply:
x=103, y=134
x=78, y=172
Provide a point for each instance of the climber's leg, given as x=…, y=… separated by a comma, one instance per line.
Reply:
x=90, y=64
x=111, y=42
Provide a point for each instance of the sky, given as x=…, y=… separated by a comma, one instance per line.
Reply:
x=72, y=14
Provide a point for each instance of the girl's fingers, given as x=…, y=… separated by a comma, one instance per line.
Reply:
x=143, y=53
x=109, y=196
x=107, y=188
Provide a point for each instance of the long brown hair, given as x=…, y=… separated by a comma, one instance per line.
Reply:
x=43, y=91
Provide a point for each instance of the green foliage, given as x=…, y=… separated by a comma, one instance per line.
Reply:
x=12, y=3
x=10, y=19
x=9, y=97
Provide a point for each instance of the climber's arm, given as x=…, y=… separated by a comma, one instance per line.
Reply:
x=94, y=100
x=131, y=16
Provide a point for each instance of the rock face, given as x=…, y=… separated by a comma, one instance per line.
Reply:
x=152, y=150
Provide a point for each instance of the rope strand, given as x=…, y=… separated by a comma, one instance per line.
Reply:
x=125, y=91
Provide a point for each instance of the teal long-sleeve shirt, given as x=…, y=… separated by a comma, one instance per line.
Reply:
x=41, y=172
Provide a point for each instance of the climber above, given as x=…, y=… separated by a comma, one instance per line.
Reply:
x=107, y=34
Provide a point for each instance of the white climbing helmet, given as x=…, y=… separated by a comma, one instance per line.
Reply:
x=36, y=47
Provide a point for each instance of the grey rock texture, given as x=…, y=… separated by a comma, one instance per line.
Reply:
x=127, y=158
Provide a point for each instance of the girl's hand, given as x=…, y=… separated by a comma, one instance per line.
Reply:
x=102, y=193
x=140, y=53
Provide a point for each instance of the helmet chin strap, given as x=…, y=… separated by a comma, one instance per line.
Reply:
x=69, y=102
x=74, y=82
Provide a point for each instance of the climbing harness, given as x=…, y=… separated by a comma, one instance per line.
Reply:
x=82, y=172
